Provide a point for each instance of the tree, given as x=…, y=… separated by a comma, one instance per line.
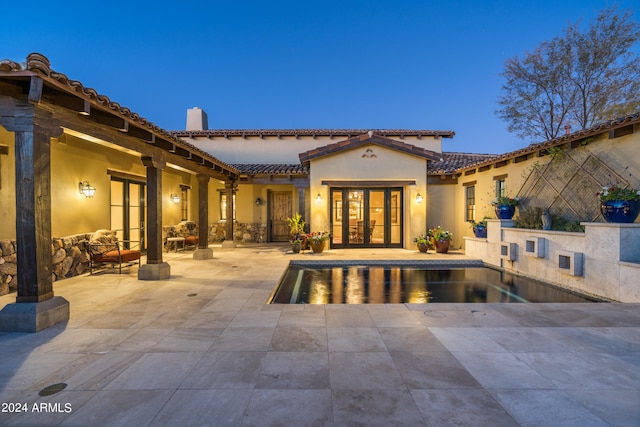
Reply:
x=575, y=79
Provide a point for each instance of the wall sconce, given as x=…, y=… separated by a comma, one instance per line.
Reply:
x=318, y=199
x=174, y=198
x=419, y=198
x=259, y=201
x=86, y=189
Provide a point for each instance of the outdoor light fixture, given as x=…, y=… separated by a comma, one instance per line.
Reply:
x=318, y=199
x=86, y=189
x=418, y=198
x=258, y=201
x=174, y=198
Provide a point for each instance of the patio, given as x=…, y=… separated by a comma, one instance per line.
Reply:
x=203, y=349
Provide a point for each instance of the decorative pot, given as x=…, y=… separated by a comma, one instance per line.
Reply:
x=624, y=211
x=505, y=211
x=317, y=247
x=295, y=247
x=480, y=231
x=442, y=246
x=546, y=220
x=422, y=247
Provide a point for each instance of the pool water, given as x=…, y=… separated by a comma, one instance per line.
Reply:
x=374, y=284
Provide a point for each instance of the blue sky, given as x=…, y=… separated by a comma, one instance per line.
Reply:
x=298, y=64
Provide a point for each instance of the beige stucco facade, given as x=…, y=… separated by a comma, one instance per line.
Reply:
x=364, y=167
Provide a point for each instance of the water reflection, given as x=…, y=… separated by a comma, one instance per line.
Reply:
x=379, y=285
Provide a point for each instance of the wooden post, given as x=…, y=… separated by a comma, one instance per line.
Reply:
x=203, y=251
x=36, y=308
x=230, y=187
x=155, y=268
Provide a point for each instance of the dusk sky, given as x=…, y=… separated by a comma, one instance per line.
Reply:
x=298, y=64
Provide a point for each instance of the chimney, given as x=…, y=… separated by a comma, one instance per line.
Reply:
x=197, y=119
x=567, y=129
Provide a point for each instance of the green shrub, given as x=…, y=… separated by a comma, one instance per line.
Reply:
x=532, y=219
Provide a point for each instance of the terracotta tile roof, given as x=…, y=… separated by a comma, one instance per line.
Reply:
x=331, y=133
x=40, y=65
x=271, y=169
x=367, y=138
x=452, y=162
x=599, y=128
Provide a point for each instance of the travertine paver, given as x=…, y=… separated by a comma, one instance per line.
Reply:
x=203, y=348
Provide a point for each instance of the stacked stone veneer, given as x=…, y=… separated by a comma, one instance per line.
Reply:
x=242, y=232
x=69, y=258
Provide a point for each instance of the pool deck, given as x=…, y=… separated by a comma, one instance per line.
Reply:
x=203, y=348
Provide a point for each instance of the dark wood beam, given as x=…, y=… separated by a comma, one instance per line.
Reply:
x=71, y=120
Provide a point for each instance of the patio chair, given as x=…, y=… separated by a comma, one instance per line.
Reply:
x=187, y=229
x=105, y=249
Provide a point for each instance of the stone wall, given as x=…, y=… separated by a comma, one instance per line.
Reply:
x=69, y=258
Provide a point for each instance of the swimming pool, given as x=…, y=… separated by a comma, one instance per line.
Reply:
x=384, y=283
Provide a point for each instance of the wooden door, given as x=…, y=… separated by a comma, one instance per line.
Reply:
x=279, y=211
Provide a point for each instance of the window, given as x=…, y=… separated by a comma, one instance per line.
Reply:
x=501, y=188
x=470, y=203
x=184, y=202
x=223, y=207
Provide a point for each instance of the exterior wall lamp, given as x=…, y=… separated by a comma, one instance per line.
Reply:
x=419, y=198
x=259, y=201
x=86, y=189
x=174, y=198
x=319, y=198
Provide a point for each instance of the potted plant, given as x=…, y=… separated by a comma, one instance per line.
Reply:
x=296, y=231
x=619, y=204
x=441, y=239
x=505, y=206
x=317, y=240
x=423, y=242
x=479, y=228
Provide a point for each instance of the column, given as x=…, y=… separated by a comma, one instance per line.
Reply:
x=155, y=268
x=203, y=251
x=230, y=188
x=35, y=308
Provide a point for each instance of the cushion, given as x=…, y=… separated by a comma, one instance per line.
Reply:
x=103, y=241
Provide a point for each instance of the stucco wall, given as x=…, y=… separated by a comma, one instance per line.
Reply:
x=387, y=165
x=271, y=149
x=7, y=187
x=619, y=154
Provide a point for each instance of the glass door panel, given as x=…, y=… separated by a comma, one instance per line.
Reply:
x=336, y=217
x=366, y=217
x=376, y=222
x=396, y=217
x=355, y=209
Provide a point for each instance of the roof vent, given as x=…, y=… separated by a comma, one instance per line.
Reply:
x=197, y=119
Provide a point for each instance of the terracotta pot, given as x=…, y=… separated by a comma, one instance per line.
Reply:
x=442, y=246
x=317, y=247
x=422, y=247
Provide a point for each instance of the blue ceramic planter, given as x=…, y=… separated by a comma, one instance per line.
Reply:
x=621, y=211
x=480, y=231
x=505, y=211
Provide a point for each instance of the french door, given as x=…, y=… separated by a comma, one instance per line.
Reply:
x=128, y=211
x=366, y=217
